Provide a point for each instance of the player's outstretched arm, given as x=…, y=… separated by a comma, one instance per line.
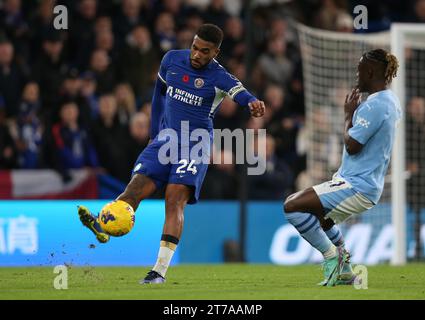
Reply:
x=238, y=93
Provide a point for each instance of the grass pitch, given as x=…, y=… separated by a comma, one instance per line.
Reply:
x=210, y=282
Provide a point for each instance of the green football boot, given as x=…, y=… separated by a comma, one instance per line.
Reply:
x=90, y=221
x=347, y=275
x=332, y=268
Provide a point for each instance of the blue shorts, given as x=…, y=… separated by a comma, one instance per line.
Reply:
x=182, y=170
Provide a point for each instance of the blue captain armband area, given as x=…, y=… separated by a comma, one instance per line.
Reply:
x=243, y=98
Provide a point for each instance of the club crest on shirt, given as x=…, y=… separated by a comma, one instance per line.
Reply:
x=199, y=83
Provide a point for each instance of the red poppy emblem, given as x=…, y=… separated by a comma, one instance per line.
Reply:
x=185, y=78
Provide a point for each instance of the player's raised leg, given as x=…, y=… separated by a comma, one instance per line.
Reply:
x=176, y=198
x=140, y=187
x=304, y=211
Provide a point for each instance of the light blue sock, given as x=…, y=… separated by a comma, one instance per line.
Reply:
x=335, y=235
x=309, y=228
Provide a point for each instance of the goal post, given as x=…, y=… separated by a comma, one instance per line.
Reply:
x=403, y=36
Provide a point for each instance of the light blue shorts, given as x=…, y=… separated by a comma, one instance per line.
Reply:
x=340, y=200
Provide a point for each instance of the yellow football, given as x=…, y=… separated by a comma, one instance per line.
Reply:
x=117, y=218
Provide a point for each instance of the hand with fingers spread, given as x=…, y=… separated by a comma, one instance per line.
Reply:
x=352, y=101
x=257, y=108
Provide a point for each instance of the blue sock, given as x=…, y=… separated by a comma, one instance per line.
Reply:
x=309, y=228
x=335, y=235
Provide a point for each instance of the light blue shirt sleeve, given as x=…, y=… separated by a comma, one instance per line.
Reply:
x=366, y=122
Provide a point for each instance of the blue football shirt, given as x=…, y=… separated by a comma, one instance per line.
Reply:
x=374, y=124
x=195, y=95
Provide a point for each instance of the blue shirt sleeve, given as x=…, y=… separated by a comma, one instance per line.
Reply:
x=165, y=63
x=234, y=88
x=158, y=98
x=366, y=122
x=158, y=103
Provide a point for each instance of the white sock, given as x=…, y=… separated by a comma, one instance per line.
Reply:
x=330, y=253
x=163, y=261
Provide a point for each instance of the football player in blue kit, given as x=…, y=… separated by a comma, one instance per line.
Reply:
x=188, y=92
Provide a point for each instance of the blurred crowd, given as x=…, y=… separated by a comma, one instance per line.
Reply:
x=80, y=97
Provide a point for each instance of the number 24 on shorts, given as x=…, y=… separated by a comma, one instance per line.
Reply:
x=187, y=167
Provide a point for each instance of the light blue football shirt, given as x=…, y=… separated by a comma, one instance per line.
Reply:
x=374, y=124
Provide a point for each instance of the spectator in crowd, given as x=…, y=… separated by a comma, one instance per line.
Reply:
x=277, y=181
x=15, y=26
x=139, y=136
x=192, y=22
x=282, y=125
x=71, y=85
x=274, y=96
x=229, y=116
x=29, y=129
x=176, y=8
x=184, y=38
x=233, y=45
x=237, y=68
x=415, y=155
x=132, y=13
x=415, y=159
x=165, y=34
x=222, y=180
x=139, y=62
x=126, y=102
x=7, y=147
x=105, y=41
x=103, y=70
x=72, y=88
x=88, y=93
x=41, y=23
x=12, y=78
x=72, y=147
x=110, y=138
x=330, y=14
x=49, y=72
x=103, y=24
x=146, y=108
x=419, y=11
x=415, y=79
x=82, y=35
x=216, y=13
x=274, y=63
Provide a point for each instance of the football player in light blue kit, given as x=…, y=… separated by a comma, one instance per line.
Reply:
x=357, y=185
x=189, y=89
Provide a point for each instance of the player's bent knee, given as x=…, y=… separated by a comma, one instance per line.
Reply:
x=289, y=205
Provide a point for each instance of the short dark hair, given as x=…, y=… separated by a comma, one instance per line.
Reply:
x=211, y=33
